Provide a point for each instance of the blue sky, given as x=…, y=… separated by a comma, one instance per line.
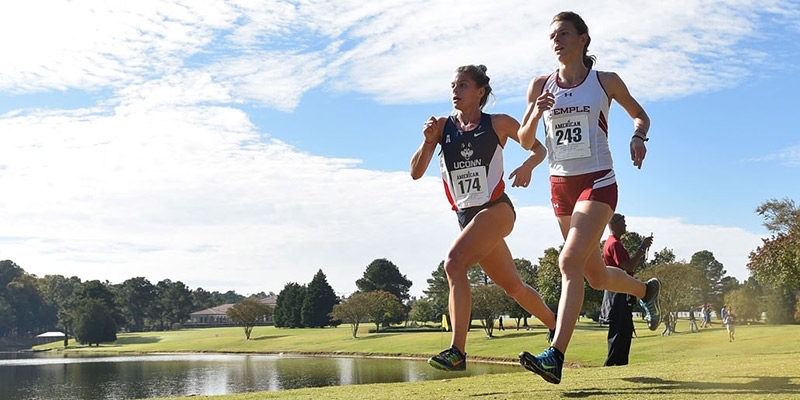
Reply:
x=241, y=146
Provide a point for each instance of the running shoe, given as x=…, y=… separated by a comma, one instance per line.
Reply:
x=548, y=365
x=650, y=304
x=449, y=360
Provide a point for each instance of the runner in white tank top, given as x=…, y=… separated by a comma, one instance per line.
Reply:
x=576, y=128
x=572, y=99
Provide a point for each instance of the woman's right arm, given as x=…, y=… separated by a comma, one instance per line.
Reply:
x=538, y=103
x=432, y=131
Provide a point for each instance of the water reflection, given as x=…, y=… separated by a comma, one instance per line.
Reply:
x=29, y=376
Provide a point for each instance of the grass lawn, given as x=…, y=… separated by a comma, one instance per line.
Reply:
x=764, y=361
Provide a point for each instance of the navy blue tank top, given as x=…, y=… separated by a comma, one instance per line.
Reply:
x=471, y=163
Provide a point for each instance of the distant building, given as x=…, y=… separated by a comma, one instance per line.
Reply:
x=216, y=316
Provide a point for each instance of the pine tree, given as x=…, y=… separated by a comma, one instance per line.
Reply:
x=318, y=302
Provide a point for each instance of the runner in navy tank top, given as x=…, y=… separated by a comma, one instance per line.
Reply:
x=573, y=105
x=471, y=162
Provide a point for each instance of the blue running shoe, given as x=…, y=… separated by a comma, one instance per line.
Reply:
x=650, y=304
x=548, y=365
x=449, y=360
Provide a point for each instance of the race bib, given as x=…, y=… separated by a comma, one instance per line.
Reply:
x=569, y=136
x=470, y=186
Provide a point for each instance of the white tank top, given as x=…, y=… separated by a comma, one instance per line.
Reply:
x=576, y=128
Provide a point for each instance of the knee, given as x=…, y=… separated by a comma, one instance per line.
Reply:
x=570, y=266
x=454, y=267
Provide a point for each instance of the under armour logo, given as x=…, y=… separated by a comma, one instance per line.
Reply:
x=568, y=94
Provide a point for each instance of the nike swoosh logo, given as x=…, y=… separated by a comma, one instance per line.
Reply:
x=479, y=133
x=548, y=366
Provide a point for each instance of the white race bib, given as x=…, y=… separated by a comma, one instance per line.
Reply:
x=470, y=186
x=569, y=136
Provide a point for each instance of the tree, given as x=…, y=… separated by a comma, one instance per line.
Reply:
x=174, y=303
x=438, y=291
x=423, y=310
x=663, y=256
x=94, y=313
x=56, y=290
x=548, y=278
x=95, y=322
x=714, y=271
x=289, y=305
x=776, y=263
x=488, y=303
x=383, y=307
x=202, y=299
x=745, y=303
x=137, y=296
x=780, y=216
x=248, y=313
x=8, y=272
x=318, y=302
x=13, y=298
x=477, y=276
x=527, y=272
x=353, y=310
x=682, y=285
x=6, y=317
x=23, y=295
x=777, y=260
x=780, y=305
x=382, y=274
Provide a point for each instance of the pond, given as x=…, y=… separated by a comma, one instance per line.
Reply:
x=44, y=376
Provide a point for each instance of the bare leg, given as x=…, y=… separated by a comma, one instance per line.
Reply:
x=479, y=238
x=499, y=266
x=581, y=258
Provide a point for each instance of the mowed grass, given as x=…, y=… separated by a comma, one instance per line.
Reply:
x=764, y=361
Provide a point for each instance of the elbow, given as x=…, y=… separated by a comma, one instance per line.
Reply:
x=525, y=143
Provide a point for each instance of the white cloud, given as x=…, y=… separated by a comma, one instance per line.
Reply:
x=165, y=179
x=399, y=52
x=789, y=156
x=191, y=194
x=99, y=44
x=662, y=50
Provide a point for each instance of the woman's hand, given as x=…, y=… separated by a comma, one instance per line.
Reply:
x=638, y=151
x=544, y=102
x=521, y=175
x=431, y=130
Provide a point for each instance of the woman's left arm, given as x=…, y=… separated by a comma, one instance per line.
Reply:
x=507, y=126
x=641, y=121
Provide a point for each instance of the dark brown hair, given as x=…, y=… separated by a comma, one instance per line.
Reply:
x=580, y=26
x=478, y=74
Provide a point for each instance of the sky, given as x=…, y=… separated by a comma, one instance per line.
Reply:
x=243, y=145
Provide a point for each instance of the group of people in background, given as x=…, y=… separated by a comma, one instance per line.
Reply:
x=572, y=104
x=726, y=315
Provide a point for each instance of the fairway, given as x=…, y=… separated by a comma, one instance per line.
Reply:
x=764, y=361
